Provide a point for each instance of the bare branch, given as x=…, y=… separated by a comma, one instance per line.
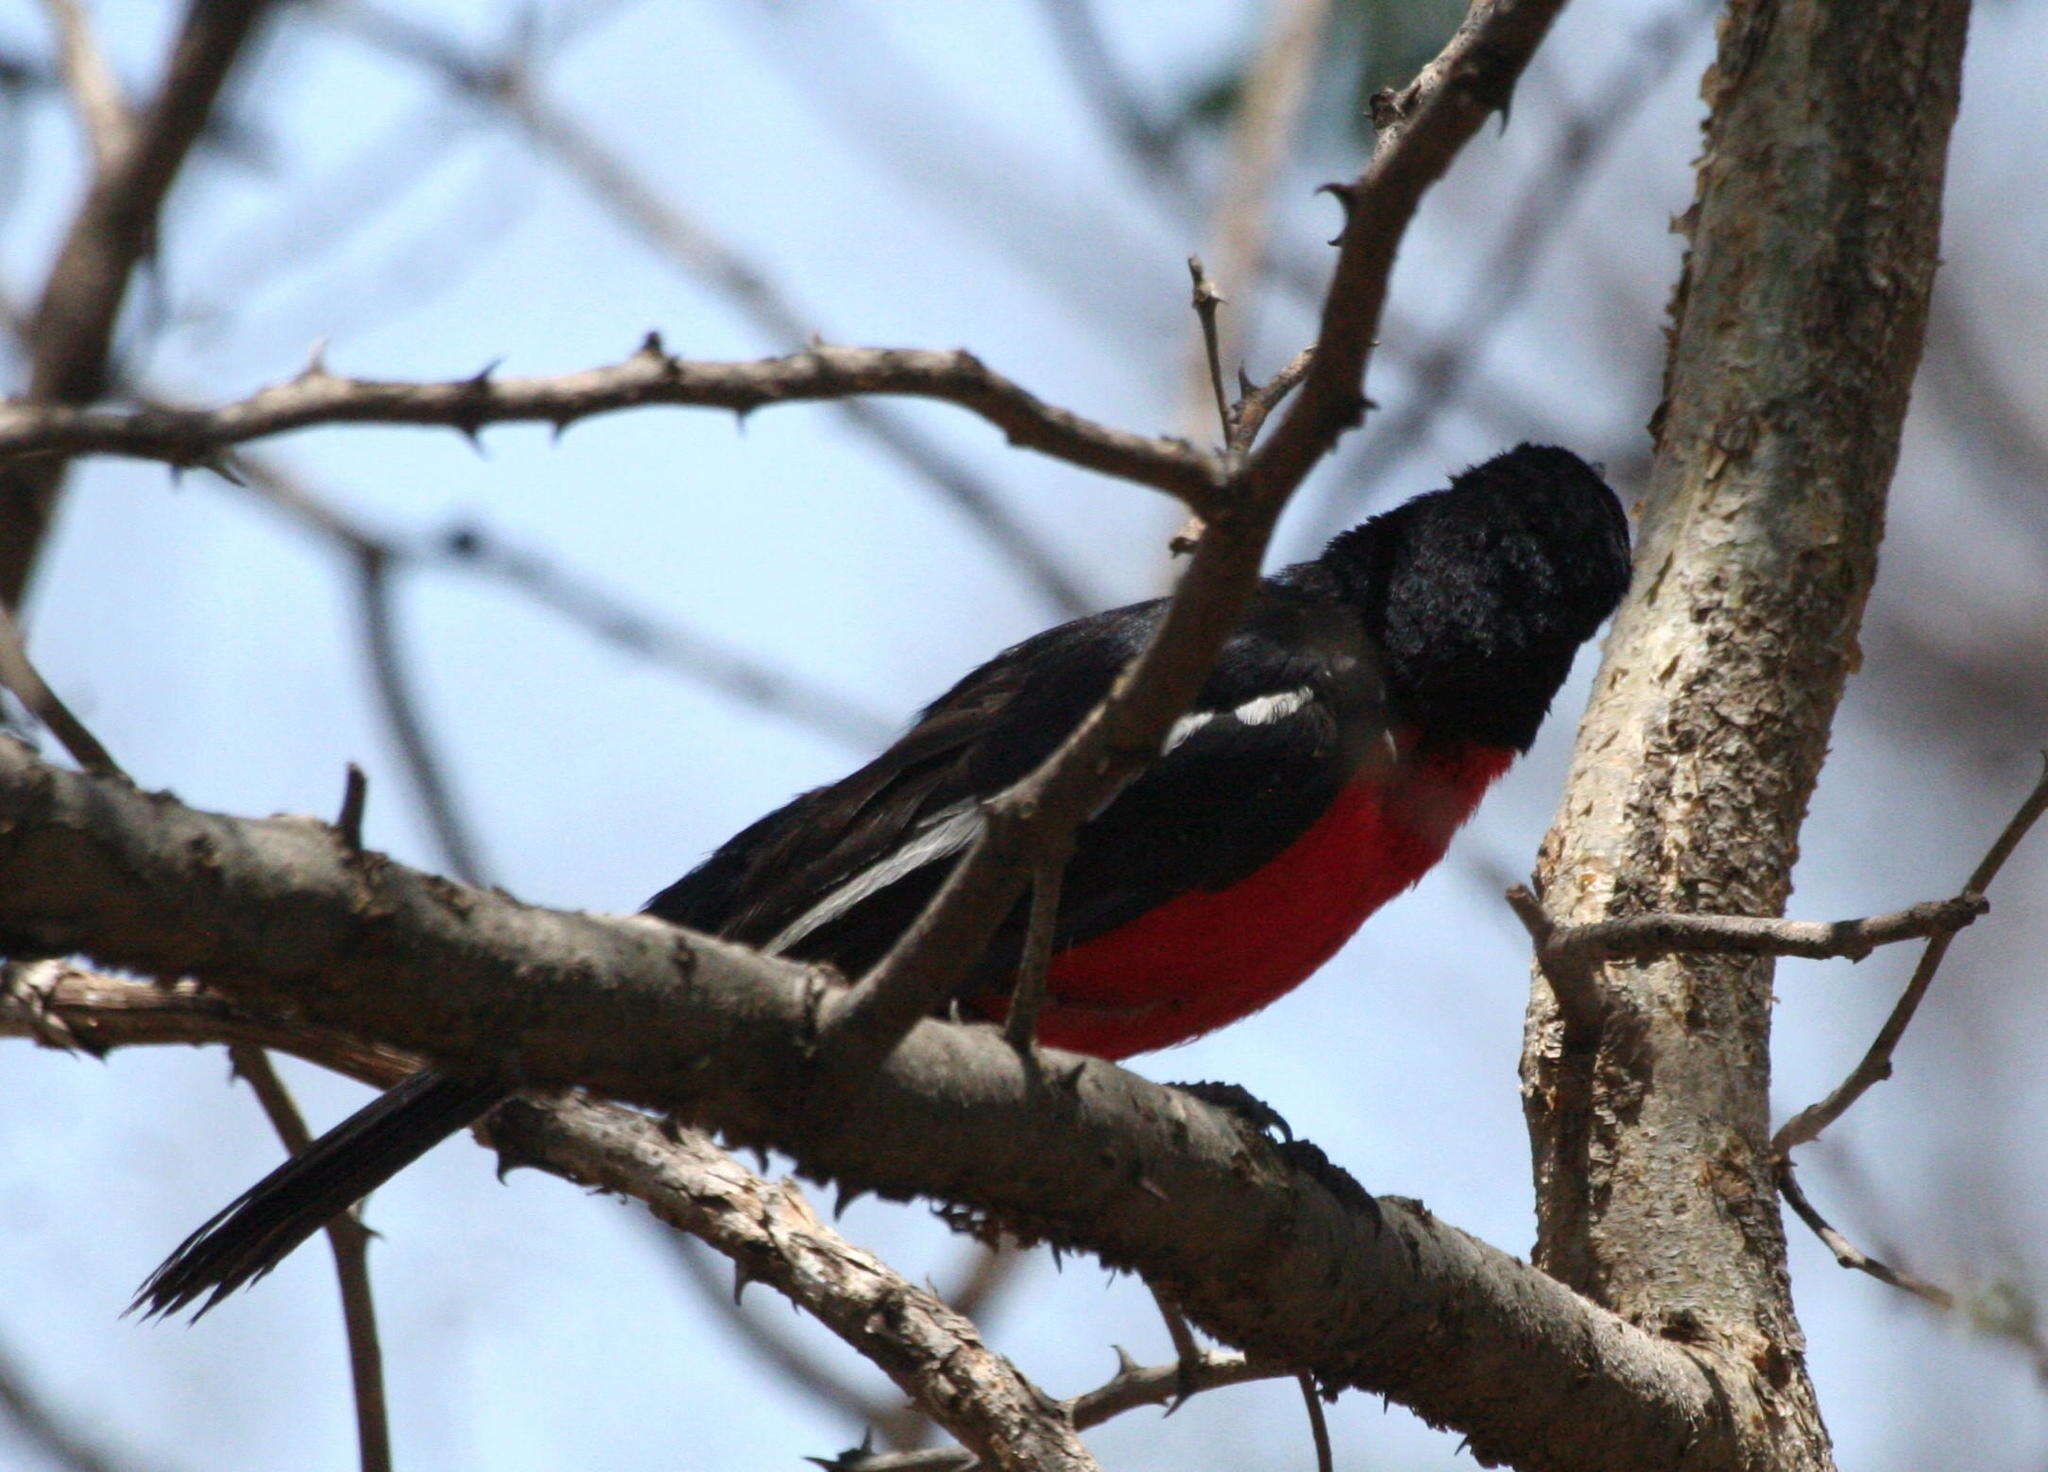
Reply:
x=1206, y=300
x=1876, y=1064
x=1318, y=1424
x=650, y=376
x=279, y=911
x=1133, y=1387
x=95, y=91
x=350, y=1239
x=1020, y=1028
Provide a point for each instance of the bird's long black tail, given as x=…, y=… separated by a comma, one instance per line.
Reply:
x=258, y=1229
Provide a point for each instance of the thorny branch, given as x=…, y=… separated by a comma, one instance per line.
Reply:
x=649, y=376
x=766, y=1227
x=511, y=87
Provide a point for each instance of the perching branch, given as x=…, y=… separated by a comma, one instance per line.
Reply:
x=280, y=911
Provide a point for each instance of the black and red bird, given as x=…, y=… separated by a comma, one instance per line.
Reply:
x=1351, y=724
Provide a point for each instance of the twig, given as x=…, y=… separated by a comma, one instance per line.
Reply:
x=91, y=83
x=1577, y=989
x=1276, y=90
x=1318, y=1423
x=1641, y=937
x=1436, y=114
x=1020, y=1028
x=649, y=376
x=1187, y=1350
x=1846, y=1252
x=377, y=619
x=349, y=1238
x=1206, y=300
x=19, y=674
x=355, y=794
x=659, y=222
x=1876, y=1064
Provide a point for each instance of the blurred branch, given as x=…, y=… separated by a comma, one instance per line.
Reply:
x=114, y=230
x=767, y=1228
x=1108, y=90
x=61, y=1444
x=22, y=680
x=649, y=376
x=390, y=677
x=349, y=1238
x=1876, y=1064
x=1133, y=1386
x=511, y=88
x=91, y=84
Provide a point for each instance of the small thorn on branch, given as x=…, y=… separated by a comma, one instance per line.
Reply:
x=355, y=794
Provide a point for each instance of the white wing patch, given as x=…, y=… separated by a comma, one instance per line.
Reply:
x=945, y=834
x=1263, y=711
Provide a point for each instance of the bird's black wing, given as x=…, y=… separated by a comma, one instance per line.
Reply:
x=838, y=873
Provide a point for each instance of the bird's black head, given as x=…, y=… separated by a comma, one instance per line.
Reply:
x=1480, y=594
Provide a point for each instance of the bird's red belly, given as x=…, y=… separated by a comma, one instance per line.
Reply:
x=1210, y=957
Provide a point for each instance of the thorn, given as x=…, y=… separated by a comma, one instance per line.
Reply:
x=221, y=466
x=650, y=347
x=1125, y=1365
x=740, y=1279
x=1059, y=1258
x=355, y=793
x=1146, y=1184
x=481, y=379
x=316, y=362
x=561, y=427
x=761, y=1157
x=1347, y=196
x=846, y=1196
x=1245, y=386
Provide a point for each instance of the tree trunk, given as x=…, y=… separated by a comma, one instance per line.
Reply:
x=1798, y=327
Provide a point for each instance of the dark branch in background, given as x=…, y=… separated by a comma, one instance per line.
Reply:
x=649, y=376
x=1079, y=1152
x=22, y=681
x=42, y=1427
x=91, y=84
x=391, y=678
x=1441, y=372
x=1156, y=147
x=71, y=333
x=768, y=1229
x=350, y=1240
x=510, y=87
x=1876, y=1064
x=664, y=643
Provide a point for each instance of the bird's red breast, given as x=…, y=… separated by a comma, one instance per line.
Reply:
x=1209, y=957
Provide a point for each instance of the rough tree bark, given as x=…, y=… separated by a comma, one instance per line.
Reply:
x=1798, y=330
